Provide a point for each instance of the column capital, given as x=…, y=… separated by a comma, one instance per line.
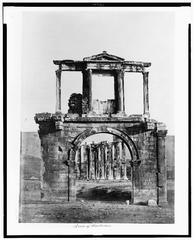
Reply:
x=161, y=133
x=117, y=71
x=161, y=129
x=144, y=72
x=88, y=70
x=59, y=69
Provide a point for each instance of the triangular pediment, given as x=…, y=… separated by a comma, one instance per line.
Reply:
x=104, y=56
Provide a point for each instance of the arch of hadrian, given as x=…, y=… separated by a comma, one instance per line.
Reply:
x=62, y=134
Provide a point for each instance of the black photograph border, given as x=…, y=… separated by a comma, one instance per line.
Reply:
x=87, y=4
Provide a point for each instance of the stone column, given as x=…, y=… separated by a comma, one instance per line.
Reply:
x=91, y=163
x=113, y=159
x=110, y=161
x=117, y=161
x=119, y=91
x=82, y=160
x=124, y=160
x=102, y=160
x=87, y=90
x=77, y=163
x=96, y=163
x=105, y=162
x=161, y=168
x=145, y=94
x=87, y=163
x=120, y=150
x=120, y=159
x=58, y=90
x=99, y=161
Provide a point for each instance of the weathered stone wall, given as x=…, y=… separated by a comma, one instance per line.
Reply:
x=145, y=174
x=169, y=152
x=32, y=166
x=56, y=146
x=58, y=177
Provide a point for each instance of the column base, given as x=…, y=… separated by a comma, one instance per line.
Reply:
x=58, y=112
x=102, y=178
x=110, y=178
x=162, y=203
x=146, y=115
x=162, y=197
x=91, y=114
x=125, y=178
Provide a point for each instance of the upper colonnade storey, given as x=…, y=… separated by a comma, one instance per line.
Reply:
x=103, y=64
x=102, y=61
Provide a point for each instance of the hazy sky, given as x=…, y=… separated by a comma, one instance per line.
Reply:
x=136, y=36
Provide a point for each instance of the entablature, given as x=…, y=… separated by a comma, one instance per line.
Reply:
x=127, y=66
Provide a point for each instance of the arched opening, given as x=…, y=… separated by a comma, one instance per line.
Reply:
x=103, y=156
x=103, y=165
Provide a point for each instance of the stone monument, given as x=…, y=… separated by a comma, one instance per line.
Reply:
x=62, y=134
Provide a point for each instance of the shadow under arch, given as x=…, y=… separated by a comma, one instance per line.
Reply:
x=113, y=131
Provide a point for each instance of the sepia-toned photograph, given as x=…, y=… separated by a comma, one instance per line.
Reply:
x=97, y=124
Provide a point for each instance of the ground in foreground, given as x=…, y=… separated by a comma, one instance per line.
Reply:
x=95, y=212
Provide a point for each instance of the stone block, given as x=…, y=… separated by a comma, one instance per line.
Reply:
x=142, y=196
x=161, y=180
x=31, y=196
x=30, y=190
x=152, y=203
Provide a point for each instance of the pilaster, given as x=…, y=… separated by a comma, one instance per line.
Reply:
x=161, y=168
